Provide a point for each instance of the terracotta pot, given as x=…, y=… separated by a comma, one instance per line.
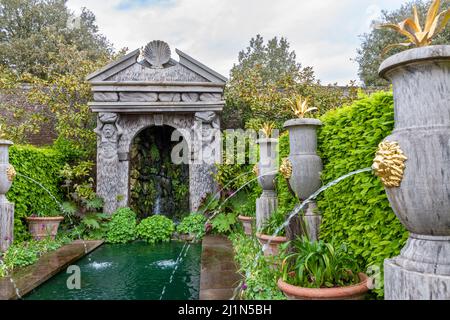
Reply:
x=273, y=248
x=44, y=227
x=247, y=223
x=354, y=292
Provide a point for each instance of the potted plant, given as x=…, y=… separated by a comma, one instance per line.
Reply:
x=321, y=271
x=413, y=162
x=271, y=244
x=303, y=166
x=247, y=223
x=44, y=224
x=243, y=204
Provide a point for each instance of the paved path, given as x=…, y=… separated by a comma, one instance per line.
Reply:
x=28, y=278
x=219, y=275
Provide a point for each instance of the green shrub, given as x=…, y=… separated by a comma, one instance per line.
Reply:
x=156, y=229
x=223, y=222
x=42, y=165
x=356, y=211
x=122, y=228
x=259, y=275
x=28, y=253
x=193, y=224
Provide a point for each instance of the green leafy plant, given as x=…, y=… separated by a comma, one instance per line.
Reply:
x=122, y=228
x=274, y=222
x=156, y=229
x=193, y=224
x=319, y=265
x=258, y=272
x=27, y=253
x=224, y=222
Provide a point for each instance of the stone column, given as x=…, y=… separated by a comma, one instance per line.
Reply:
x=7, y=174
x=206, y=148
x=267, y=172
x=413, y=163
x=109, y=133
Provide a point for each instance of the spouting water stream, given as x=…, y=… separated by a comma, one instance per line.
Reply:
x=178, y=261
x=237, y=191
x=297, y=210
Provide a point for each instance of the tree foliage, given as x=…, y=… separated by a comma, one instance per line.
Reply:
x=36, y=34
x=267, y=74
x=370, y=54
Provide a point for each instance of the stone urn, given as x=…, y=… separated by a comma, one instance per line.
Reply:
x=267, y=171
x=303, y=167
x=414, y=166
x=7, y=174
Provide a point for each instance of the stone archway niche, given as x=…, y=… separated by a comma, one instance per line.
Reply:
x=150, y=89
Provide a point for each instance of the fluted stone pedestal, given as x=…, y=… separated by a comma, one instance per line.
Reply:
x=421, y=271
x=265, y=206
x=7, y=174
x=6, y=224
x=313, y=220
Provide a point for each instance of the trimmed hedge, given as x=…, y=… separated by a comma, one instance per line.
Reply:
x=42, y=165
x=356, y=211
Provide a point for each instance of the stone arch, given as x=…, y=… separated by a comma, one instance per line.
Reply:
x=132, y=94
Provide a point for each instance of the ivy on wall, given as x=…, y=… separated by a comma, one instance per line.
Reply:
x=42, y=165
x=357, y=211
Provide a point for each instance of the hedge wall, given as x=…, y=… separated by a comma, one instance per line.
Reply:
x=42, y=165
x=357, y=211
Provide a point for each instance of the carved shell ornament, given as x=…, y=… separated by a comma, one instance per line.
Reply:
x=389, y=164
x=11, y=173
x=286, y=168
x=157, y=53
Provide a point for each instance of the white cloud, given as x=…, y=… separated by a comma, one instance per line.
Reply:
x=323, y=33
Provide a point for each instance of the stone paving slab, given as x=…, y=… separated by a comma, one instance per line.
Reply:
x=50, y=264
x=219, y=276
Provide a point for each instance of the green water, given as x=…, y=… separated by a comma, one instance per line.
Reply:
x=136, y=271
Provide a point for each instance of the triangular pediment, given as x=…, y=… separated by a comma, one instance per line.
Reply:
x=136, y=66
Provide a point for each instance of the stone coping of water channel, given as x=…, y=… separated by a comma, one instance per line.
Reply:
x=219, y=276
x=28, y=278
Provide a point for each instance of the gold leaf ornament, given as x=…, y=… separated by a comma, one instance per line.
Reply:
x=11, y=173
x=389, y=164
x=286, y=168
x=256, y=170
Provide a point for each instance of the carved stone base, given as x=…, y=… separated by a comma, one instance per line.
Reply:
x=403, y=284
x=421, y=272
x=312, y=219
x=265, y=206
x=6, y=225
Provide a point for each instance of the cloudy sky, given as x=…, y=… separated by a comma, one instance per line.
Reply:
x=324, y=33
